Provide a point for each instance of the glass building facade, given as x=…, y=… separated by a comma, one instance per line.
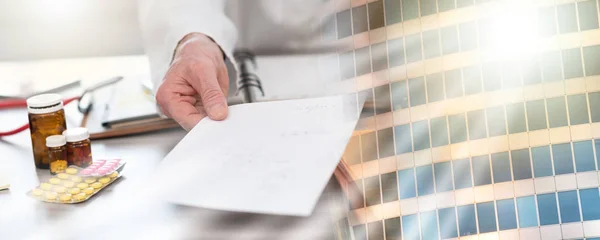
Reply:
x=482, y=118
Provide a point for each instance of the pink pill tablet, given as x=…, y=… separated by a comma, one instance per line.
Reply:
x=86, y=171
x=103, y=171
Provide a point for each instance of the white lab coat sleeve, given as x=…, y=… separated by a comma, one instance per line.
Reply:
x=165, y=22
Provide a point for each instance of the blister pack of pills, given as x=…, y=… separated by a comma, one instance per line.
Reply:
x=100, y=168
x=69, y=187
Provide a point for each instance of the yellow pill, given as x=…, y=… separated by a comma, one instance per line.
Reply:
x=76, y=179
x=65, y=197
x=46, y=186
x=74, y=191
x=71, y=171
x=88, y=191
x=37, y=192
x=63, y=176
x=68, y=184
x=79, y=197
x=82, y=185
x=104, y=180
x=51, y=196
x=90, y=180
x=96, y=185
x=54, y=180
x=60, y=189
x=114, y=174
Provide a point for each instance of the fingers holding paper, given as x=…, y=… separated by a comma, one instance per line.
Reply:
x=196, y=83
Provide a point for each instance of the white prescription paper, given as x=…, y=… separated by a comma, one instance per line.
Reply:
x=268, y=157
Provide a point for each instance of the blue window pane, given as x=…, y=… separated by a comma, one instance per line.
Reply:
x=515, y=114
x=584, y=156
x=375, y=230
x=466, y=220
x=542, y=164
x=536, y=115
x=590, y=202
x=399, y=95
x=443, y=177
x=410, y=9
x=393, y=11
x=389, y=187
x=385, y=140
x=372, y=191
x=501, y=167
x=360, y=231
x=431, y=44
x=403, y=139
x=569, y=206
x=476, y=121
x=557, y=112
x=551, y=66
x=359, y=19
x=413, y=48
x=447, y=218
x=472, y=80
x=410, y=227
x=406, y=183
x=425, y=180
x=567, y=18
x=382, y=99
x=449, y=39
x=429, y=227
x=521, y=164
x=563, y=161
x=481, y=170
x=594, y=99
x=507, y=218
x=597, y=144
x=428, y=7
x=439, y=131
x=578, y=110
x=588, y=18
x=367, y=111
x=487, y=217
x=435, y=87
x=420, y=132
x=416, y=88
x=344, y=24
x=396, y=52
x=453, y=82
x=369, y=146
x=496, y=121
x=445, y=5
x=392, y=229
x=548, y=209
x=527, y=212
x=458, y=128
x=361, y=203
x=462, y=173
x=363, y=60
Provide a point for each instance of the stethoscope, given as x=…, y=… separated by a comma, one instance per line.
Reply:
x=84, y=105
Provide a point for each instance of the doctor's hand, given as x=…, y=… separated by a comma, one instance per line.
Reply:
x=196, y=84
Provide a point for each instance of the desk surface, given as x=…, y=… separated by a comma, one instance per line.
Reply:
x=117, y=213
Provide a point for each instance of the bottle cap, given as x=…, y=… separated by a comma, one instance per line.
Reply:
x=44, y=103
x=76, y=134
x=56, y=141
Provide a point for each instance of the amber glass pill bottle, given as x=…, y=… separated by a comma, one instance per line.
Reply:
x=46, y=118
x=79, y=148
x=57, y=153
